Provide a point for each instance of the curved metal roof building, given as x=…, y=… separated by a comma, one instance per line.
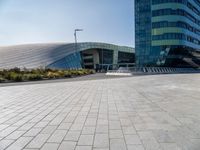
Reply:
x=63, y=55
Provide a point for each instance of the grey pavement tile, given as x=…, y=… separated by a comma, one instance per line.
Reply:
x=69, y=119
x=7, y=131
x=88, y=130
x=80, y=119
x=30, y=149
x=149, y=140
x=170, y=146
x=102, y=122
x=102, y=129
x=64, y=126
x=3, y=126
x=115, y=134
x=132, y=139
x=19, y=143
x=195, y=143
x=129, y=130
x=5, y=143
x=185, y=120
x=114, y=125
x=101, y=141
x=50, y=146
x=20, y=122
x=186, y=131
x=57, y=136
x=76, y=127
x=92, y=115
x=38, y=141
x=15, y=135
x=67, y=145
x=136, y=147
x=113, y=117
x=41, y=124
x=125, y=122
x=49, y=118
x=100, y=148
x=162, y=136
x=26, y=126
x=86, y=140
x=57, y=120
x=49, y=129
x=91, y=122
x=83, y=148
x=183, y=141
x=72, y=136
x=33, y=132
x=117, y=144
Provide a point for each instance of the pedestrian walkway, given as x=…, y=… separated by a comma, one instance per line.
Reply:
x=160, y=112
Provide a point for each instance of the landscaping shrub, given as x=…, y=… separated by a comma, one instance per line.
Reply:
x=52, y=75
x=61, y=73
x=18, y=75
x=1, y=79
x=91, y=72
x=15, y=70
x=15, y=77
x=37, y=71
x=67, y=74
x=32, y=77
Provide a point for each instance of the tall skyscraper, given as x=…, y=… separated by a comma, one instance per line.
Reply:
x=167, y=33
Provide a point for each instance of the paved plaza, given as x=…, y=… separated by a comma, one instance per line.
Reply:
x=160, y=112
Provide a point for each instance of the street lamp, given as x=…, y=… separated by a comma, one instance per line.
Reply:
x=75, y=36
x=76, y=30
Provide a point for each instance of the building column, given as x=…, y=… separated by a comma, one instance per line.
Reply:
x=115, y=57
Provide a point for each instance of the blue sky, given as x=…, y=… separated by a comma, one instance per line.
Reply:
x=44, y=21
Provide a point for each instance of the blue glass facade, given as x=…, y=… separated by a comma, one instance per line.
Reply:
x=174, y=30
x=143, y=31
x=72, y=61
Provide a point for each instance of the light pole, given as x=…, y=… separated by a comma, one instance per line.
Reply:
x=75, y=36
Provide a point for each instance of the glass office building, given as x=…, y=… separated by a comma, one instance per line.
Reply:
x=167, y=33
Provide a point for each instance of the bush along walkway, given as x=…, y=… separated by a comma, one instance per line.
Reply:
x=18, y=75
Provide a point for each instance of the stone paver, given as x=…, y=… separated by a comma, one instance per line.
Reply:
x=38, y=141
x=117, y=144
x=57, y=136
x=86, y=140
x=83, y=148
x=50, y=146
x=72, y=136
x=158, y=112
x=5, y=143
x=67, y=145
x=20, y=143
